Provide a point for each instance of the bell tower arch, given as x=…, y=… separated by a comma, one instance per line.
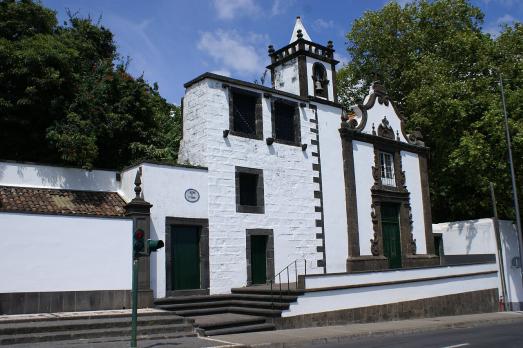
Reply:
x=303, y=67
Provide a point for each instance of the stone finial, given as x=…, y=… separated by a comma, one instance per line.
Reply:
x=271, y=49
x=373, y=130
x=299, y=34
x=330, y=45
x=138, y=182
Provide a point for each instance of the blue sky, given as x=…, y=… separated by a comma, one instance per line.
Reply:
x=171, y=42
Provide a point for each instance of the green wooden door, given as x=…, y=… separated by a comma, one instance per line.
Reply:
x=391, y=234
x=259, y=259
x=185, y=257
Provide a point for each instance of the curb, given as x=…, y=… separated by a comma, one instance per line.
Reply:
x=343, y=338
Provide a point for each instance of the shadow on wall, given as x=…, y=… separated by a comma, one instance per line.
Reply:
x=468, y=228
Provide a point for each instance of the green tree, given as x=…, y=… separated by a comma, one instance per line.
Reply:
x=66, y=97
x=441, y=70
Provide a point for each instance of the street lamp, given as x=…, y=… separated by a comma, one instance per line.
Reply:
x=513, y=175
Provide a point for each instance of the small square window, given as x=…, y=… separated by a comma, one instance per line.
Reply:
x=387, y=169
x=245, y=113
x=286, y=122
x=249, y=190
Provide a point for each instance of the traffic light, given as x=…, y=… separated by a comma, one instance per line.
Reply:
x=153, y=245
x=138, y=243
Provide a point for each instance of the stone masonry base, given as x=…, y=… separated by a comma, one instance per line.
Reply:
x=70, y=301
x=483, y=301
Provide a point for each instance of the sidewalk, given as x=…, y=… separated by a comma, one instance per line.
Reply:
x=296, y=337
x=343, y=333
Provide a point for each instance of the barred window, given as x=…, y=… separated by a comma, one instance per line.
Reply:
x=387, y=169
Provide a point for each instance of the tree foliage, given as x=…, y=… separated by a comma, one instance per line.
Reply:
x=443, y=72
x=66, y=97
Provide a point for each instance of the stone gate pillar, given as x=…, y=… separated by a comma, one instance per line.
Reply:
x=140, y=211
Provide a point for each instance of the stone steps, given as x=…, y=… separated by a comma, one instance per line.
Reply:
x=229, y=323
x=254, y=309
x=224, y=303
x=93, y=328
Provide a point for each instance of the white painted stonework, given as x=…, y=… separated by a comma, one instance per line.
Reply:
x=472, y=237
x=286, y=77
x=410, y=164
x=64, y=253
x=335, y=215
x=304, y=205
x=331, y=300
x=363, y=162
x=288, y=190
x=376, y=114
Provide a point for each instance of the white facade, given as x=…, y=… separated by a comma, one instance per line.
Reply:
x=45, y=253
x=288, y=188
x=306, y=185
x=334, y=206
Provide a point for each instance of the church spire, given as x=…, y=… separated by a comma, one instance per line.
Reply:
x=297, y=27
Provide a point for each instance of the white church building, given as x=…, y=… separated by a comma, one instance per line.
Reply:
x=267, y=177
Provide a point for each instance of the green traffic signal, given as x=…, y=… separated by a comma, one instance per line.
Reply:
x=154, y=245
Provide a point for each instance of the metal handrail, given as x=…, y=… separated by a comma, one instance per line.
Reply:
x=286, y=269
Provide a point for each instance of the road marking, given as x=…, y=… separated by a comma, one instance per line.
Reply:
x=458, y=345
x=228, y=344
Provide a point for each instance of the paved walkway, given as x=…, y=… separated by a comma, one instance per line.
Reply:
x=343, y=333
x=13, y=318
x=307, y=336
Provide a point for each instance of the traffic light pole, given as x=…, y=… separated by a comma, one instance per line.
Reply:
x=134, y=304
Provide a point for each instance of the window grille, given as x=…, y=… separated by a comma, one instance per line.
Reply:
x=387, y=169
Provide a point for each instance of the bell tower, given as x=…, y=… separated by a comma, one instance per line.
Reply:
x=303, y=67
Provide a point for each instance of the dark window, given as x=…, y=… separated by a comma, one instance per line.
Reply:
x=249, y=190
x=284, y=121
x=245, y=113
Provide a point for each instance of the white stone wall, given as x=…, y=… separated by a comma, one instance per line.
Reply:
x=331, y=300
x=467, y=237
x=333, y=188
x=193, y=145
x=46, y=176
x=310, y=82
x=363, y=162
x=288, y=193
x=64, y=253
x=164, y=186
x=471, y=237
x=286, y=77
x=513, y=276
x=410, y=165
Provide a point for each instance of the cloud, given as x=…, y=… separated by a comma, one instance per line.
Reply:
x=505, y=19
x=343, y=59
x=280, y=6
x=320, y=24
x=233, y=52
x=229, y=9
x=402, y=3
x=494, y=28
x=223, y=72
x=134, y=39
